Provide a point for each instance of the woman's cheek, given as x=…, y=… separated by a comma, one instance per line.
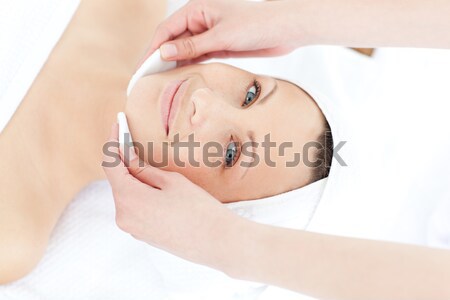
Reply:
x=187, y=157
x=193, y=165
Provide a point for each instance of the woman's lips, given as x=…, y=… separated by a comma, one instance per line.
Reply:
x=170, y=103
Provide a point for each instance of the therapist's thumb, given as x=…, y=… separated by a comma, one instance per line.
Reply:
x=148, y=174
x=190, y=47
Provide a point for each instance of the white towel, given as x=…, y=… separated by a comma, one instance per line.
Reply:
x=438, y=234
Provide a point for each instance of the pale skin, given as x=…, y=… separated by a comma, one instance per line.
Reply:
x=52, y=147
x=319, y=265
x=203, y=29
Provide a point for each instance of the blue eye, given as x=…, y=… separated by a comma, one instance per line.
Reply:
x=252, y=94
x=230, y=155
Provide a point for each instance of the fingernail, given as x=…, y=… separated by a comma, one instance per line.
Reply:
x=169, y=50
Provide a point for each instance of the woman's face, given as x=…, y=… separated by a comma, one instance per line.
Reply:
x=238, y=135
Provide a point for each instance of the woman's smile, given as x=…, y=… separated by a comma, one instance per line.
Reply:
x=169, y=104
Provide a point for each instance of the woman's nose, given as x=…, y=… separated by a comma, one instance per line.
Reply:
x=206, y=106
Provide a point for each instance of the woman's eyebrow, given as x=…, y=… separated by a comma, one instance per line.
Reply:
x=267, y=96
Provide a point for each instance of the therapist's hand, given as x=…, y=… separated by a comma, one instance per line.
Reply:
x=226, y=28
x=168, y=211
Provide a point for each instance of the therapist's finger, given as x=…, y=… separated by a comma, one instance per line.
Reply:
x=191, y=18
x=113, y=166
x=148, y=174
x=236, y=54
x=169, y=29
x=192, y=46
x=119, y=175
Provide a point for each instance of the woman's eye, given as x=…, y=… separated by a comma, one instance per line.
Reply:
x=252, y=94
x=230, y=155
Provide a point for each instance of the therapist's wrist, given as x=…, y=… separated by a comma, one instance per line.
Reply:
x=294, y=21
x=241, y=249
x=307, y=22
x=225, y=247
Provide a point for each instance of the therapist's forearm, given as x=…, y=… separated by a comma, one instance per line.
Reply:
x=371, y=23
x=330, y=267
